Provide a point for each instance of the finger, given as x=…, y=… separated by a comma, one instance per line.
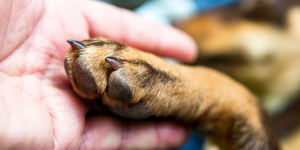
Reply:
x=68, y=117
x=105, y=132
x=171, y=135
x=126, y=27
x=153, y=135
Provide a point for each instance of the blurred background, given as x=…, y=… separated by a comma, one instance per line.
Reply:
x=256, y=42
x=166, y=11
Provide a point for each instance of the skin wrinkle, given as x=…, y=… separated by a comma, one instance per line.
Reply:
x=26, y=60
x=71, y=145
x=26, y=50
x=62, y=55
x=51, y=116
x=49, y=55
x=43, y=73
x=27, y=35
x=25, y=27
x=84, y=136
x=49, y=108
x=72, y=141
x=6, y=75
x=23, y=99
x=23, y=11
x=7, y=26
x=11, y=75
x=82, y=139
x=9, y=114
x=54, y=137
x=89, y=136
x=124, y=131
x=157, y=137
x=23, y=92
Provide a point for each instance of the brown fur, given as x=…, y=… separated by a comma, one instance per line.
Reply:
x=208, y=100
x=258, y=45
x=263, y=57
x=271, y=11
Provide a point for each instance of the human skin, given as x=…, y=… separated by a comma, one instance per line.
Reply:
x=38, y=108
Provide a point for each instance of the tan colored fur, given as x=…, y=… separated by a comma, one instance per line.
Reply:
x=199, y=96
x=271, y=55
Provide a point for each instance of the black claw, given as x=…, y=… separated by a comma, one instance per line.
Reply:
x=76, y=44
x=114, y=62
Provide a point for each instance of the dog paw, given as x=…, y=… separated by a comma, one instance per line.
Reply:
x=120, y=75
x=136, y=84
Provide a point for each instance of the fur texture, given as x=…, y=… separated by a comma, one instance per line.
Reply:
x=212, y=103
x=260, y=55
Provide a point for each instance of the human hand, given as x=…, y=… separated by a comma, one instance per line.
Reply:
x=38, y=107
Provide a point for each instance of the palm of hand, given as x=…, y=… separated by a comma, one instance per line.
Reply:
x=37, y=104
